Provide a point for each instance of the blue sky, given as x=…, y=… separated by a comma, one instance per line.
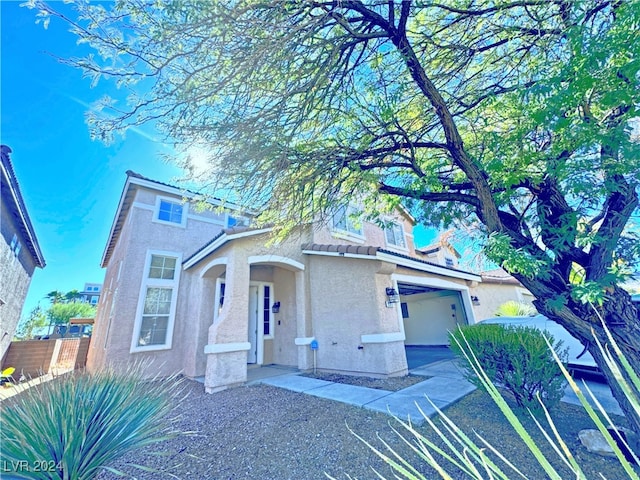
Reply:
x=71, y=185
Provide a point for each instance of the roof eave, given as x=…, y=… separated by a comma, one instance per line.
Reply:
x=219, y=242
x=16, y=197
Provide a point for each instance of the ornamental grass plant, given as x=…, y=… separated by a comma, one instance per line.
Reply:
x=74, y=426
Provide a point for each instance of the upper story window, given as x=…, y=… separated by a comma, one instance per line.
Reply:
x=448, y=261
x=394, y=233
x=344, y=220
x=170, y=211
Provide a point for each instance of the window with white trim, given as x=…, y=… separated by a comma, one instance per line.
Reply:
x=170, y=211
x=344, y=221
x=157, y=302
x=155, y=316
x=394, y=233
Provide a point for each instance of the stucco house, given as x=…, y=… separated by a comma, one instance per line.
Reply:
x=20, y=252
x=202, y=292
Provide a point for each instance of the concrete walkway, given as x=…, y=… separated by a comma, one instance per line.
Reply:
x=445, y=386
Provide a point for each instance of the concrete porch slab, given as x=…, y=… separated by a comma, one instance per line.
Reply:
x=296, y=382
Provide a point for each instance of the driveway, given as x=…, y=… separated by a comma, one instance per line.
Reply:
x=423, y=355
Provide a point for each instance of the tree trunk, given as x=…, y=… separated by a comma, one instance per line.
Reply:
x=621, y=318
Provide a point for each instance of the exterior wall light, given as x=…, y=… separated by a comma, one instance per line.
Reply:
x=275, y=308
x=475, y=300
x=392, y=296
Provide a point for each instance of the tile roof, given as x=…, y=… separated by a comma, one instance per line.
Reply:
x=372, y=251
x=500, y=276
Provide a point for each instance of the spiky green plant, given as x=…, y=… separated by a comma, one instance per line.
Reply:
x=515, y=309
x=73, y=427
x=470, y=455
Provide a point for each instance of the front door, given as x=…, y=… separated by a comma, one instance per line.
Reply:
x=252, y=356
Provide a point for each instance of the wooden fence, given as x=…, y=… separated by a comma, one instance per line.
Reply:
x=32, y=358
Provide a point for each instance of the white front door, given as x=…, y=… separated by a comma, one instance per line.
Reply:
x=252, y=356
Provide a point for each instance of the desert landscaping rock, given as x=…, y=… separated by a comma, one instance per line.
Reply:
x=595, y=442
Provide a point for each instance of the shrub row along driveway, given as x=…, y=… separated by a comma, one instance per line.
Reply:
x=263, y=432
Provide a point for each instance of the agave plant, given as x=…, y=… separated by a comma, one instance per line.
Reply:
x=468, y=453
x=77, y=425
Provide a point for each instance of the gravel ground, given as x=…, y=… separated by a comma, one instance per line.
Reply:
x=263, y=432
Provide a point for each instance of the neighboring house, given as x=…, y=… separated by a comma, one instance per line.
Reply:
x=19, y=252
x=202, y=293
x=496, y=288
x=440, y=252
x=91, y=293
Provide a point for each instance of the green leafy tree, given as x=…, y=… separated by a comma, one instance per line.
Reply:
x=61, y=313
x=36, y=319
x=517, y=117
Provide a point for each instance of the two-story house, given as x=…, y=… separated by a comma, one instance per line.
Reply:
x=19, y=251
x=90, y=293
x=195, y=291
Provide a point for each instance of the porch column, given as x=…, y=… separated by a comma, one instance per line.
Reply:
x=228, y=337
x=303, y=324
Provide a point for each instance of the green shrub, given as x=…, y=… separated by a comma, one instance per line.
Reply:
x=515, y=309
x=515, y=358
x=74, y=426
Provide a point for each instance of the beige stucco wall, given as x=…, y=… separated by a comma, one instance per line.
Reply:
x=373, y=235
x=347, y=302
x=492, y=295
x=121, y=295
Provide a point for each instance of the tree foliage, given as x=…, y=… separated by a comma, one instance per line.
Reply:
x=37, y=319
x=517, y=116
x=61, y=313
